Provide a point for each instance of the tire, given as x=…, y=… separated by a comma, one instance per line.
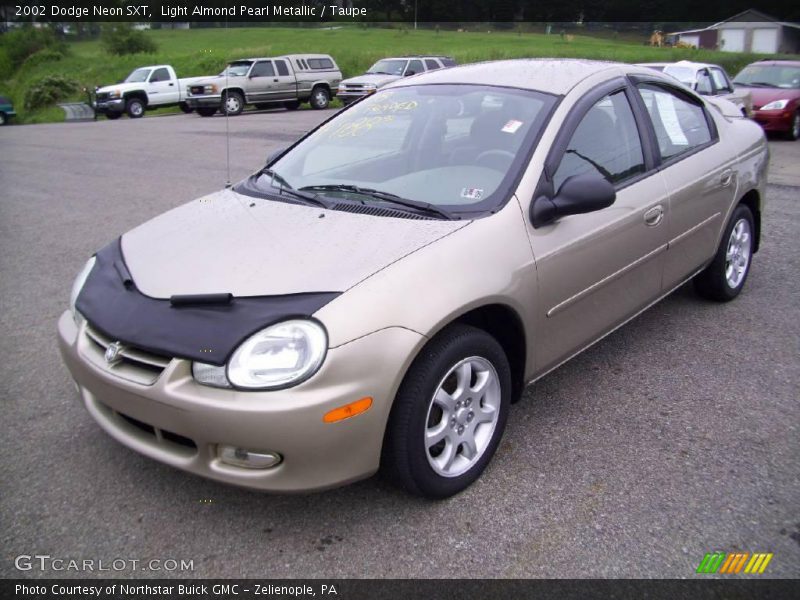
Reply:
x=794, y=130
x=320, y=98
x=291, y=105
x=113, y=116
x=725, y=277
x=135, y=108
x=429, y=401
x=264, y=106
x=206, y=111
x=232, y=104
x=3, y=119
x=185, y=108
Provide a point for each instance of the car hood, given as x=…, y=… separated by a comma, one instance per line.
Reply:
x=762, y=96
x=230, y=243
x=378, y=80
x=122, y=87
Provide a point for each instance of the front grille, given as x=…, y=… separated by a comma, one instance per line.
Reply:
x=130, y=363
x=167, y=440
x=100, y=96
x=197, y=90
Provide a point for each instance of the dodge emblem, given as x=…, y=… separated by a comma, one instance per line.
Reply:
x=112, y=352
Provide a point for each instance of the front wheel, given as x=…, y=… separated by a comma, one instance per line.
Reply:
x=449, y=414
x=185, y=108
x=724, y=278
x=291, y=105
x=3, y=119
x=232, y=104
x=320, y=98
x=135, y=108
x=794, y=130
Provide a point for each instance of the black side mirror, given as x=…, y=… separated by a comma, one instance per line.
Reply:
x=272, y=157
x=410, y=73
x=579, y=194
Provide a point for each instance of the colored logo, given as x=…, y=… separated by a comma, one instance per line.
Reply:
x=735, y=562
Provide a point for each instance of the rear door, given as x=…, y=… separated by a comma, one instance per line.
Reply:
x=285, y=84
x=697, y=171
x=596, y=270
x=162, y=88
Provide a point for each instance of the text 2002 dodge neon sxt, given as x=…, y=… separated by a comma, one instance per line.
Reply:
x=379, y=294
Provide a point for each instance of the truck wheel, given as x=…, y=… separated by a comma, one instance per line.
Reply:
x=112, y=116
x=135, y=108
x=320, y=98
x=206, y=111
x=232, y=104
x=185, y=108
x=292, y=105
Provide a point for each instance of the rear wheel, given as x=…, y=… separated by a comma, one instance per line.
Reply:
x=232, y=104
x=794, y=131
x=113, y=116
x=320, y=98
x=206, y=111
x=724, y=278
x=135, y=108
x=449, y=414
x=291, y=105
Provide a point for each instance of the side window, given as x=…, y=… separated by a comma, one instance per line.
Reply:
x=680, y=125
x=159, y=75
x=299, y=64
x=721, y=81
x=431, y=64
x=282, y=68
x=605, y=142
x=704, y=83
x=263, y=69
x=415, y=66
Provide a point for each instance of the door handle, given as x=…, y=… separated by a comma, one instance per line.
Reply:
x=726, y=178
x=275, y=80
x=171, y=84
x=654, y=216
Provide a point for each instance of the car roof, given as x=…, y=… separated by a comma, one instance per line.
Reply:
x=555, y=76
x=770, y=61
x=693, y=65
x=282, y=56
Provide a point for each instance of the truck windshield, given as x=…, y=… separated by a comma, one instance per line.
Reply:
x=388, y=67
x=456, y=147
x=237, y=69
x=138, y=76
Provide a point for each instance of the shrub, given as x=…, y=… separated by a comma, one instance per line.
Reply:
x=123, y=39
x=19, y=44
x=49, y=90
x=44, y=56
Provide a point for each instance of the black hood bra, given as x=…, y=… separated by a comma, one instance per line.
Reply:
x=204, y=327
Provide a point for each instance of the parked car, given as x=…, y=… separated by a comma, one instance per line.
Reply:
x=6, y=110
x=382, y=291
x=775, y=87
x=146, y=88
x=708, y=80
x=267, y=82
x=388, y=70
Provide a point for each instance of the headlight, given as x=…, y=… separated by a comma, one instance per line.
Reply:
x=209, y=89
x=77, y=286
x=775, y=105
x=114, y=94
x=370, y=86
x=276, y=357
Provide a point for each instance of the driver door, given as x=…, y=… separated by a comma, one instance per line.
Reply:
x=161, y=88
x=261, y=82
x=597, y=270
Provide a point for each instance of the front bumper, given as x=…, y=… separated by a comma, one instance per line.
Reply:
x=347, y=96
x=181, y=423
x=204, y=101
x=110, y=106
x=774, y=120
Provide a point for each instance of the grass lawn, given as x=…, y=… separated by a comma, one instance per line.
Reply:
x=197, y=52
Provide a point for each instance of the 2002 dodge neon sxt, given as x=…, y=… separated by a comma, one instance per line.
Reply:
x=380, y=292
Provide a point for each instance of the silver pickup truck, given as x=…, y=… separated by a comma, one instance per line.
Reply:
x=267, y=82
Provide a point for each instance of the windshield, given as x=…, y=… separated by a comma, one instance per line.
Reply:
x=778, y=76
x=456, y=147
x=388, y=67
x=683, y=74
x=237, y=69
x=138, y=76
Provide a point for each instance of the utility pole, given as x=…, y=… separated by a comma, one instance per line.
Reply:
x=415, y=15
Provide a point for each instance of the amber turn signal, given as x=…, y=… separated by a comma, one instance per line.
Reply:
x=348, y=410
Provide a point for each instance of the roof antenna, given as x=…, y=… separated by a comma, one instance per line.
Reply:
x=223, y=99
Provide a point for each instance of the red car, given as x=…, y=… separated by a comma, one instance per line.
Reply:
x=775, y=87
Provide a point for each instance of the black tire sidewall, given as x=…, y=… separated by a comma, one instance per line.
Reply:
x=130, y=104
x=409, y=421
x=313, y=101
x=225, y=100
x=714, y=284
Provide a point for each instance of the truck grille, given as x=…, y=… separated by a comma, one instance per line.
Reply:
x=100, y=96
x=128, y=363
x=196, y=90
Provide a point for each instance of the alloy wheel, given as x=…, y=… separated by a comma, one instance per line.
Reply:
x=737, y=257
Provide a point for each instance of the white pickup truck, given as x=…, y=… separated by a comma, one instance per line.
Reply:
x=146, y=88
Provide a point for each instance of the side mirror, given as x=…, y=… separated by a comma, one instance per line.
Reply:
x=275, y=155
x=579, y=194
x=410, y=73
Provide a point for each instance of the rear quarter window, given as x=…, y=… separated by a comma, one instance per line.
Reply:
x=320, y=63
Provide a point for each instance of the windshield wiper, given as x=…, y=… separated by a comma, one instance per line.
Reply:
x=377, y=73
x=426, y=207
x=758, y=84
x=287, y=190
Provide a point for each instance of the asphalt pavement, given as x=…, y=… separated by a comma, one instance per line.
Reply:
x=675, y=436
